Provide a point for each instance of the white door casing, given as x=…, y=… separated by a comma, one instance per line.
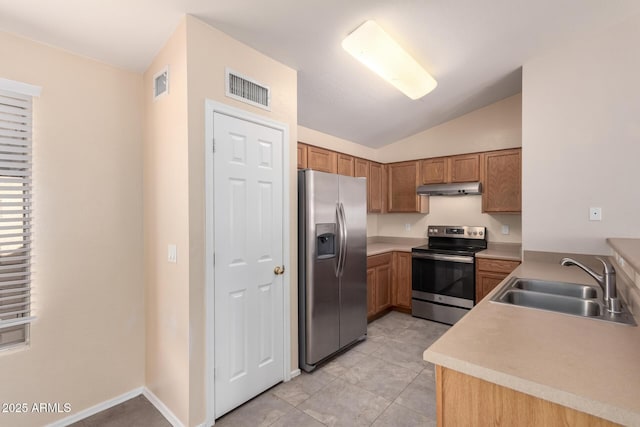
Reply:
x=247, y=230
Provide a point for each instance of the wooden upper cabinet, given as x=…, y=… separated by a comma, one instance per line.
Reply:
x=361, y=168
x=403, y=179
x=302, y=156
x=501, y=179
x=464, y=168
x=375, y=187
x=441, y=170
x=322, y=160
x=435, y=171
x=346, y=165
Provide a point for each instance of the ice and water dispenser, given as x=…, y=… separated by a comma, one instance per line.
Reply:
x=325, y=240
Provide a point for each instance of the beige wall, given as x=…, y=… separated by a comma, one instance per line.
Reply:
x=166, y=221
x=464, y=210
x=209, y=52
x=493, y=127
x=331, y=142
x=175, y=203
x=87, y=344
x=581, y=142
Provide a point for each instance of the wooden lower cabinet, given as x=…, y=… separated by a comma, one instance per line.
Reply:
x=402, y=280
x=490, y=272
x=371, y=292
x=388, y=283
x=463, y=400
x=379, y=277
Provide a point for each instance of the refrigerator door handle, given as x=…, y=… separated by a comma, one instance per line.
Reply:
x=343, y=238
x=340, y=239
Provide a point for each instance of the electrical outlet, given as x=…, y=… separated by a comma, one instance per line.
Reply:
x=595, y=214
x=505, y=229
x=172, y=254
x=407, y=227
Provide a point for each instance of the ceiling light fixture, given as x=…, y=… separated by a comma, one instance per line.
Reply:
x=373, y=47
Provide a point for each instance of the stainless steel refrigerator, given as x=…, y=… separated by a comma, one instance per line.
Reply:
x=332, y=264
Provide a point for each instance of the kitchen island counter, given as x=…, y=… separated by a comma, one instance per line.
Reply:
x=588, y=365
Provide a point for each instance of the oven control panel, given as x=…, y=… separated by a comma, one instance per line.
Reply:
x=461, y=231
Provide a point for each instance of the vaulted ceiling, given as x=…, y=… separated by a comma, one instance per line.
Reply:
x=474, y=48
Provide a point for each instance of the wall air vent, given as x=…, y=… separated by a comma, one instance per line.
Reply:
x=161, y=83
x=247, y=90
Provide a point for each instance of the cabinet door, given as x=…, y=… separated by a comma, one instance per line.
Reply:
x=435, y=171
x=374, y=186
x=402, y=280
x=403, y=180
x=486, y=282
x=361, y=169
x=345, y=164
x=501, y=181
x=494, y=265
x=490, y=272
x=371, y=292
x=322, y=160
x=465, y=168
x=383, y=287
x=302, y=156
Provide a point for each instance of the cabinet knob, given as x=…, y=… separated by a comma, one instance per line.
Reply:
x=279, y=270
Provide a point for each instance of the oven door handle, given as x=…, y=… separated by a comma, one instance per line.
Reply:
x=441, y=257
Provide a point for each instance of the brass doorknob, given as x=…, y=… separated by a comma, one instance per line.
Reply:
x=279, y=270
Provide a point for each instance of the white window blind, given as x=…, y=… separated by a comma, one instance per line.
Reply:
x=15, y=211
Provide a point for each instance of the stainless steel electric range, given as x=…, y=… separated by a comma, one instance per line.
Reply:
x=443, y=272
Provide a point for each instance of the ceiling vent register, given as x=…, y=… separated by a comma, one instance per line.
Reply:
x=247, y=90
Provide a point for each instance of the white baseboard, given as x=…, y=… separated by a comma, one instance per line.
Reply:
x=96, y=408
x=295, y=373
x=160, y=406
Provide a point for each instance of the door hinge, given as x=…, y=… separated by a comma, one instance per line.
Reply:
x=214, y=145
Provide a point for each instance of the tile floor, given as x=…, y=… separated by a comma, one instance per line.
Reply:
x=382, y=381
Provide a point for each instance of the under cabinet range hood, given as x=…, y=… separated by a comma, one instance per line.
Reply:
x=458, y=189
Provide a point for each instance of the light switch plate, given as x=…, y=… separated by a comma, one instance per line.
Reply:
x=595, y=214
x=407, y=227
x=172, y=254
x=505, y=229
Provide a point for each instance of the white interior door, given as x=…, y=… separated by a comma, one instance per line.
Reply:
x=248, y=208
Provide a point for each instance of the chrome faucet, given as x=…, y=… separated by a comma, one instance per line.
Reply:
x=606, y=280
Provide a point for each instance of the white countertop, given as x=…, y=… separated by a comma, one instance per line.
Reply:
x=585, y=364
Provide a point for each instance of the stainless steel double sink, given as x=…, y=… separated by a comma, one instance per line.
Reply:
x=568, y=298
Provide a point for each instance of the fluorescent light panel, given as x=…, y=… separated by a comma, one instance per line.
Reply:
x=373, y=47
